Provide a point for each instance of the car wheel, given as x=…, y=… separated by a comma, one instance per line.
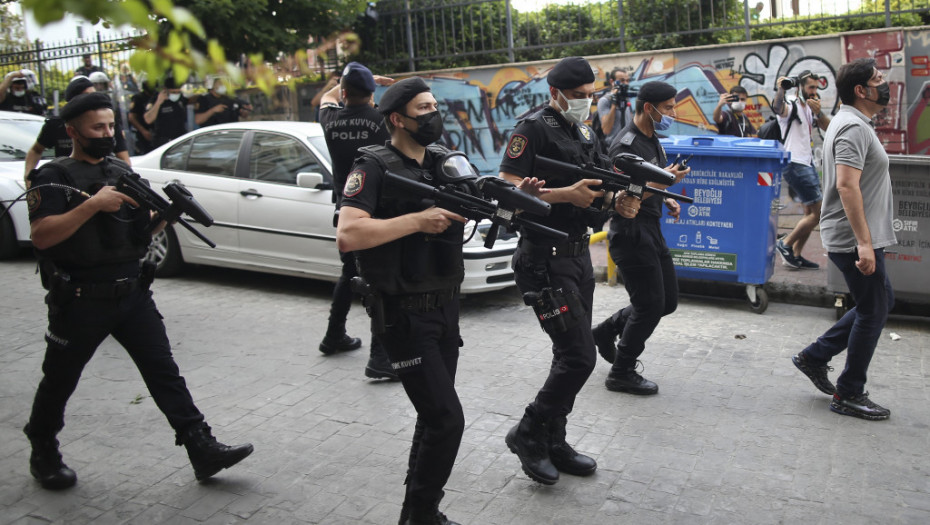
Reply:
x=165, y=253
x=9, y=247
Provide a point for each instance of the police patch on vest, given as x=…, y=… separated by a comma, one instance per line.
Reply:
x=354, y=183
x=551, y=121
x=516, y=146
x=33, y=199
x=585, y=132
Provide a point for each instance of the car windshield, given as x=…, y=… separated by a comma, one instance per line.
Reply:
x=17, y=136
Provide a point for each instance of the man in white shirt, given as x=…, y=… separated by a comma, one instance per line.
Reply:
x=796, y=119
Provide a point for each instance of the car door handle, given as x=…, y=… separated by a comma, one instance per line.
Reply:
x=250, y=193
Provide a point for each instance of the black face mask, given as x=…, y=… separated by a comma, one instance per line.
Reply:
x=98, y=147
x=884, y=93
x=429, y=128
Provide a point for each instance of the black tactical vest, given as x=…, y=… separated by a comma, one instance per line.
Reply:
x=107, y=238
x=417, y=263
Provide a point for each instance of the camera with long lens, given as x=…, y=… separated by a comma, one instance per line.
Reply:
x=623, y=94
x=790, y=82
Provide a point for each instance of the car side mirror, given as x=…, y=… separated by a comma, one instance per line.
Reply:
x=312, y=180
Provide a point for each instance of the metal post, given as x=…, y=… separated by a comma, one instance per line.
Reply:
x=38, y=51
x=746, y=19
x=412, y=65
x=510, y=56
x=100, y=52
x=622, y=27
x=887, y=13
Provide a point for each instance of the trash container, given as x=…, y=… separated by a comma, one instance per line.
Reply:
x=907, y=263
x=728, y=233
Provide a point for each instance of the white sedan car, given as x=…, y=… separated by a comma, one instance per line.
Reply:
x=18, y=132
x=268, y=186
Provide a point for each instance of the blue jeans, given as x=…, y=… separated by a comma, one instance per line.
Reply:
x=858, y=331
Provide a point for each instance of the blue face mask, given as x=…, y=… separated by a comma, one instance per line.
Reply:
x=663, y=124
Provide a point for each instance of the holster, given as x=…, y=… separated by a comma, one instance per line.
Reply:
x=556, y=310
x=374, y=304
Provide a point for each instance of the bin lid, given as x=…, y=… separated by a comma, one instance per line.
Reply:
x=726, y=146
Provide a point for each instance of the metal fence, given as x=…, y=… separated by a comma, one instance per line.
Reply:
x=426, y=34
x=55, y=63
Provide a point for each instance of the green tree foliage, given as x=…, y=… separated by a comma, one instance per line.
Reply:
x=12, y=30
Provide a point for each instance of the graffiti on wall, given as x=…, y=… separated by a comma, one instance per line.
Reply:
x=482, y=106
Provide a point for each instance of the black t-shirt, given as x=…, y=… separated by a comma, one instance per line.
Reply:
x=632, y=140
x=31, y=102
x=207, y=101
x=86, y=70
x=738, y=126
x=548, y=134
x=53, y=135
x=171, y=121
x=137, y=107
x=347, y=129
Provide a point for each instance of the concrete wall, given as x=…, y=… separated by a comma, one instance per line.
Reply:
x=482, y=105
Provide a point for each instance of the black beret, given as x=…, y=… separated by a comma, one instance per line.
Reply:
x=78, y=85
x=656, y=91
x=358, y=76
x=401, y=92
x=570, y=72
x=84, y=103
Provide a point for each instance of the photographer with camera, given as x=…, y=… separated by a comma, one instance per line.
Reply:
x=796, y=118
x=734, y=121
x=90, y=244
x=615, y=110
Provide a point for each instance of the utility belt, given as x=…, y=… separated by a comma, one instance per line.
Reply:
x=570, y=248
x=62, y=288
x=377, y=303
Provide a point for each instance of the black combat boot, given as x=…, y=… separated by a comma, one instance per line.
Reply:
x=605, y=338
x=529, y=440
x=207, y=455
x=624, y=378
x=563, y=456
x=379, y=366
x=333, y=344
x=427, y=516
x=46, y=465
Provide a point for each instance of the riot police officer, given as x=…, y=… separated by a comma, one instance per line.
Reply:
x=90, y=245
x=561, y=272
x=54, y=135
x=412, y=260
x=639, y=250
x=349, y=123
x=17, y=93
x=167, y=114
x=216, y=107
x=142, y=130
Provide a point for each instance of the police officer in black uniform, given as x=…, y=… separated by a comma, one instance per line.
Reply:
x=167, y=114
x=349, y=123
x=88, y=67
x=412, y=258
x=54, y=135
x=17, y=93
x=142, y=130
x=215, y=107
x=562, y=271
x=90, y=246
x=639, y=250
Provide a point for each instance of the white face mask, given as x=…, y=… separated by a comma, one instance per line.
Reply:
x=221, y=90
x=738, y=106
x=578, y=109
x=174, y=97
x=17, y=93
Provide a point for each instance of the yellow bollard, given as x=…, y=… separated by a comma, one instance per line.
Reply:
x=601, y=236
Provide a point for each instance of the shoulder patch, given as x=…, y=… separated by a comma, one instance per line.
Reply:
x=628, y=139
x=354, y=183
x=33, y=199
x=516, y=146
x=551, y=121
x=585, y=131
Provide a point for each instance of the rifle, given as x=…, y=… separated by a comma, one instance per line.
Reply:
x=181, y=202
x=502, y=213
x=631, y=174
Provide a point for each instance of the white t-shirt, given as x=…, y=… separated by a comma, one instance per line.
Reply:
x=798, y=141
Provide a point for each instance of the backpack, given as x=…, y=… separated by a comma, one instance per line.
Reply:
x=772, y=131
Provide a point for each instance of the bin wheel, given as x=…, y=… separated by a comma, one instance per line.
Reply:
x=758, y=299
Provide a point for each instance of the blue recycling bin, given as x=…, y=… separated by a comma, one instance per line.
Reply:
x=728, y=233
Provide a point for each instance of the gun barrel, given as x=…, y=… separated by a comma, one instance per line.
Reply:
x=641, y=171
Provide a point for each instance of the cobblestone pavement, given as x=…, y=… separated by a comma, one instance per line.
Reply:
x=736, y=435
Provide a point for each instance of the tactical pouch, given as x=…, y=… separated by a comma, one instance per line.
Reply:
x=147, y=273
x=556, y=311
x=372, y=301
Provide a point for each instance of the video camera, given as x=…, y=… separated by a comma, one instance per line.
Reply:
x=623, y=94
x=182, y=202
